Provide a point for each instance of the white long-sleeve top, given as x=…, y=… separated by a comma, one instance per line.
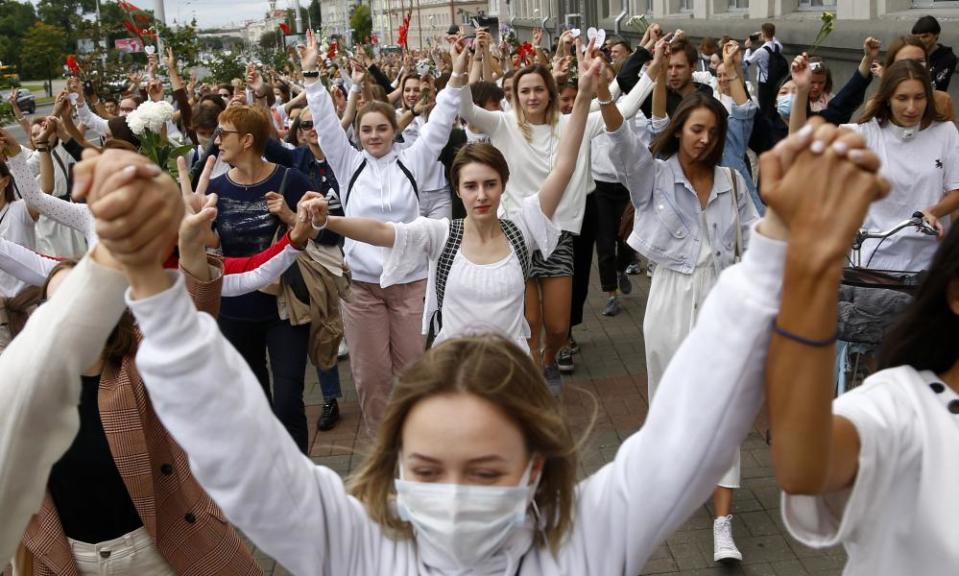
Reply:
x=531, y=161
x=40, y=388
x=93, y=121
x=24, y=264
x=381, y=191
x=302, y=515
x=76, y=216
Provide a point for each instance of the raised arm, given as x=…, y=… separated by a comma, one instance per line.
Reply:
x=553, y=188
x=99, y=126
x=813, y=451
x=339, y=152
x=76, y=216
x=25, y=264
x=802, y=78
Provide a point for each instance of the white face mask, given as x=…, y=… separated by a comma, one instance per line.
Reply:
x=463, y=525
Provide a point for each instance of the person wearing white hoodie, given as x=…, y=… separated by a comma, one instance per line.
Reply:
x=383, y=182
x=474, y=469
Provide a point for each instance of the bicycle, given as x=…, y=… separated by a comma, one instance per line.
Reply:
x=870, y=301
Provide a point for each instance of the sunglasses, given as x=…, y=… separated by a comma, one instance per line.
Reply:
x=306, y=125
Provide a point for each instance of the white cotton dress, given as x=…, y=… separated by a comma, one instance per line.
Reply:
x=479, y=298
x=671, y=311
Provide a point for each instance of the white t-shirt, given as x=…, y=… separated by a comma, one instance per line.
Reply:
x=478, y=297
x=16, y=225
x=921, y=169
x=901, y=516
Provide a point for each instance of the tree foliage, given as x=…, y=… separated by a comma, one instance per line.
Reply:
x=15, y=19
x=43, y=51
x=362, y=23
x=225, y=67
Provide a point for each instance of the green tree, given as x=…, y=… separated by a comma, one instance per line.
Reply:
x=316, y=14
x=15, y=19
x=226, y=67
x=362, y=23
x=43, y=51
x=65, y=14
x=183, y=41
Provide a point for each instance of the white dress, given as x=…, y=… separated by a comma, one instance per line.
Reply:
x=671, y=311
x=16, y=225
x=479, y=298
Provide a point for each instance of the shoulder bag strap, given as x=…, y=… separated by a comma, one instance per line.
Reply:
x=349, y=187
x=443, y=266
x=518, y=242
x=739, y=228
x=409, y=176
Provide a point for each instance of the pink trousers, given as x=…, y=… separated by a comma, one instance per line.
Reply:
x=383, y=329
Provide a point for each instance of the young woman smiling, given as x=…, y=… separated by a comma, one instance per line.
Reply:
x=383, y=182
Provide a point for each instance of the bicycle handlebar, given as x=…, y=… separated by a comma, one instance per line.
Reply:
x=918, y=221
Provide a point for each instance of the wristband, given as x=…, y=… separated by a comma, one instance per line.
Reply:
x=606, y=102
x=43, y=150
x=355, y=89
x=812, y=343
x=318, y=228
x=312, y=74
x=457, y=74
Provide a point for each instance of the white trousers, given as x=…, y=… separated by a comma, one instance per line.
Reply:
x=436, y=204
x=131, y=554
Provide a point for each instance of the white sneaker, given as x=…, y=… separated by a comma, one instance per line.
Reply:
x=343, y=351
x=724, y=548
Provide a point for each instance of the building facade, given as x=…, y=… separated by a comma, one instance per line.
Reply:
x=797, y=21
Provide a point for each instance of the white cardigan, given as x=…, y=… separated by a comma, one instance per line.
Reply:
x=381, y=191
x=302, y=515
x=40, y=388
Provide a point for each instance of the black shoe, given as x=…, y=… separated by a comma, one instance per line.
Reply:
x=625, y=284
x=564, y=360
x=330, y=416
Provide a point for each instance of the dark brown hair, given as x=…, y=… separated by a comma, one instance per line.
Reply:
x=484, y=92
x=900, y=43
x=667, y=143
x=686, y=47
x=769, y=29
x=9, y=194
x=479, y=153
x=125, y=338
x=878, y=106
x=925, y=335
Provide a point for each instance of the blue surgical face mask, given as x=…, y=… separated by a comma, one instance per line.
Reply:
x=784, y=105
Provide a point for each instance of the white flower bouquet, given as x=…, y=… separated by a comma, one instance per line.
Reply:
x=148, y=122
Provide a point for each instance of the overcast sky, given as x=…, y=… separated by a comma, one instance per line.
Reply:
x=212, y=13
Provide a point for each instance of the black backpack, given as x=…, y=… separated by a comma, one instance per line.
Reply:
x=778, y=67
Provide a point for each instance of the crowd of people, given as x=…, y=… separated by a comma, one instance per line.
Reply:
x=436, y=212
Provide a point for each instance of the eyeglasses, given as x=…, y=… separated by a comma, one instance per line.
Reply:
x=223, y=131
x=306, y=125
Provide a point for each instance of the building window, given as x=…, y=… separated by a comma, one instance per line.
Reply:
x=935, y=3
x=816, y=4
x=686, y=5
x=739, y=4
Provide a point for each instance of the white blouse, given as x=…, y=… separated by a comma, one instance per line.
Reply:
x=900, y=515
x=479, y=298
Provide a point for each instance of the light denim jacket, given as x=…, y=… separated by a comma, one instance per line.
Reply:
x=667, y=226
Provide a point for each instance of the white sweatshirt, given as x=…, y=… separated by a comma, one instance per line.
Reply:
x=301, y=514
x=530, y=162
x=381, y=191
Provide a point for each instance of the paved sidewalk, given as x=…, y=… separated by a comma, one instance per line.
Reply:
x=611, y=368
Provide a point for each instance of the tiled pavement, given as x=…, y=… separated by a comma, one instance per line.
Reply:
x=611, y=368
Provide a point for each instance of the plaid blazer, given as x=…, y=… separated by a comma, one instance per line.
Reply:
x=189, y=530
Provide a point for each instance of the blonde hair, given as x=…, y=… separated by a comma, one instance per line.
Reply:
x=496, y=370
x=552, y=109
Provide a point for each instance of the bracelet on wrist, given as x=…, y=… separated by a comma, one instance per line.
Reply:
x=311, y=74
x=811, y=342
x=606, y=102
x=457, y=74
x=318, y=228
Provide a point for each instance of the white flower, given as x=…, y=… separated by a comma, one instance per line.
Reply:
x=150, y=116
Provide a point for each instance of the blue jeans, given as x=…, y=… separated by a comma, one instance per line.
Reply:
x=330, y=383
x=287, y=346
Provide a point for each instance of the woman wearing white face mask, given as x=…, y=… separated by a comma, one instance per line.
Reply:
x=487, y=461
